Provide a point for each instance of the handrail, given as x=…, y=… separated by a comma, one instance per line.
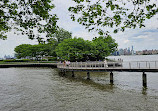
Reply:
x=117, y=64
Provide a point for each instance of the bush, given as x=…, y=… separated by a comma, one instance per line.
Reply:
x=44, y=60
x=52, y=58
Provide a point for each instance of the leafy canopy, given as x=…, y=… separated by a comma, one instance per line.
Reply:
x=26, y=16
x=116, y=14
x=73, y=49
x=31, y=16
x=60, y=35
x=29, y=51
x=78, y=49
x=102, y=47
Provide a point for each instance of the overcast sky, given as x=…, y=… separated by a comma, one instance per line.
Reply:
x=145, y=38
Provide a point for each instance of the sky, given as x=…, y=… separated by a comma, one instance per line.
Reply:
x=141, y=39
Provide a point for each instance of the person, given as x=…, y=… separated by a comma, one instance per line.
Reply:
x=64, y=63
x=67, y=63
x=105, y=62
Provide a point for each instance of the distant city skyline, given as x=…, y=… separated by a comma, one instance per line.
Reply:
x=128, y=51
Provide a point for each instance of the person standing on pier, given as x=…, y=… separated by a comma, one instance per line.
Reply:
x=105, y=63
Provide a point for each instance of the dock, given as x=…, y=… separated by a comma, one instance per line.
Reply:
x=118, y=66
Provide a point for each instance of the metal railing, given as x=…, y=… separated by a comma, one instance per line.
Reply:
x=141, y=65
x=110, y=65
x=88, y=65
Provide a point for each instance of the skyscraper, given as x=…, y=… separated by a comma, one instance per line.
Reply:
x=132, y=51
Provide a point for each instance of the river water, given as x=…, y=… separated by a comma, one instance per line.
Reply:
x=43, y=89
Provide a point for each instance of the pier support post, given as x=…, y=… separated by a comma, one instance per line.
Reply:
x=144, y=77
x=88, y=76
x=73, y=75
x=111, y=78
x=64, y=73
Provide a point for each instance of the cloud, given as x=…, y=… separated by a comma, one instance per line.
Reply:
x=7, y=46
x=141, y=37
x=126, y=41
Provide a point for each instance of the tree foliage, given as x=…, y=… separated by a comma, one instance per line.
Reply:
x=29, y=51
x=73, y=49
x=26, y=16
x=102, y=47
x=43, y=48
x=117, y=14
x=78, y=49
x=23, y=50
x=60, y=35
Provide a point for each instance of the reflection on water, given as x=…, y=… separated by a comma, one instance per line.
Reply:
x=43, y=89
x=97, y=80
x=144, y=91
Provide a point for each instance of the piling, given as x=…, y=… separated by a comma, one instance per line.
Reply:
x=111, y=78
x=64, y=73
x=73, y=75
x=144, y=78
x=88, y=76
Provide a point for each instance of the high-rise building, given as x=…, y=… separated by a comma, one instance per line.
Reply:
x=132, y=51
x=121, y=52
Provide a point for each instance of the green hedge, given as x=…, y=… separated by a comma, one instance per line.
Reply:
x=52, y=58
x=43, y=60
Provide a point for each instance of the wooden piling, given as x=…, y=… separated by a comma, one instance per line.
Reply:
x=73, y=75
x=144, y=78
x=111, y=78
x=64, y=73
x=88, y=76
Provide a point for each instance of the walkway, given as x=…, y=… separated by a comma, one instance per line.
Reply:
x=135, y=66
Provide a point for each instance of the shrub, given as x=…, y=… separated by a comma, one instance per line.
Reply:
x=52, y=58
x=44, y=60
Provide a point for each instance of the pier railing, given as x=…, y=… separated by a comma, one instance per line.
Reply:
x=110, y=65
x=141, y=65
x=88, y=65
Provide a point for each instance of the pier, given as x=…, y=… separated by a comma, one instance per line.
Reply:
x=119, y=66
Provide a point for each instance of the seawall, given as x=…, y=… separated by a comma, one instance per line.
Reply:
x=53, y=65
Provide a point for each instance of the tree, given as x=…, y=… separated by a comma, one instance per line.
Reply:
x=60, y=35
x=23, y=50
x=46, y=50
x=73, y=49
x=26, y=16
x=27, y=50
x=117, y=14
x=102, y=47
x=78, y=49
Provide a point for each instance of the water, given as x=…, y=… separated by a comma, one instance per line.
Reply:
x=133, y=80
x=43, y=89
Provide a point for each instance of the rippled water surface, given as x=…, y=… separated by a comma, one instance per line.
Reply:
x=43, y=89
